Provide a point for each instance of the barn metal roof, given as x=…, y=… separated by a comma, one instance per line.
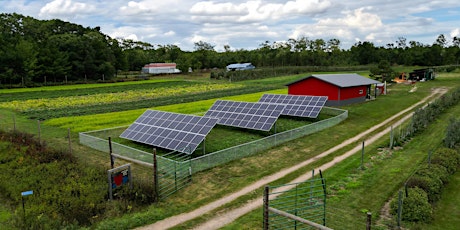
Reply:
x=341, y=80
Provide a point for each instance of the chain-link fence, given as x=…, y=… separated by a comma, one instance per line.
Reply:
x=90, y=139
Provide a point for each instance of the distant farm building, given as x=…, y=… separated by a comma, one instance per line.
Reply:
x=160, y=68
x=422, y=75
x=240, y=66
x=341, y=89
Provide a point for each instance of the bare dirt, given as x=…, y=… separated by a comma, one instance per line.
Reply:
x=223, y=218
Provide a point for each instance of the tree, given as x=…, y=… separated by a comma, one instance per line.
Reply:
x=441, y=41
x=383, y=71
x=204, y=53
x=364, y=53
x=401, y=43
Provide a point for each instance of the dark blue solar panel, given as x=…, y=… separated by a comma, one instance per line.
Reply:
x=297, y=105
x=248, y=115
x=171, y=131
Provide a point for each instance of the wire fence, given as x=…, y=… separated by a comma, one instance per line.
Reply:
x=99, y=140
x=295, y=206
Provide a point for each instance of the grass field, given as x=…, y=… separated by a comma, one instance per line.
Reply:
x=355, y=197
x=228, y=178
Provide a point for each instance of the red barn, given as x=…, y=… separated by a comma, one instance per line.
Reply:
x=341, y=89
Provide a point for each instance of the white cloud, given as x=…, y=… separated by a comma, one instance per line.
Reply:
x=169, y=33
x=218, y=9
x=357, y=19
x=66, y=8
x=256, y=11
x=134, y=8
x=248, y=23
x=455, y=33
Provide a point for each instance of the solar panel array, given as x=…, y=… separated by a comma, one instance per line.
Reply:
x=171, y=131
x=250, y=115
x=297, y=105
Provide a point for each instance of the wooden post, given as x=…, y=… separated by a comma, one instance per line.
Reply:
x=110, y=152
x=391, y=138
x=155, y=175
x=266, y=205
x=405, y=188
x=368, y=223
x=362, y=156
x=323, y=182
x=399, y=209
x=70, y=141
x=429, y=156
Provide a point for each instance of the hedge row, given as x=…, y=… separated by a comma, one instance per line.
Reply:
x=452, y=138
x=424, y=116
x=426, y=185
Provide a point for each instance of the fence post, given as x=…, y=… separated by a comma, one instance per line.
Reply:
x=368, y=222
x=110, y=153
x=391, y=137
x=429, y=156
x=266, y=205
x=155, y=175
x=405, y=188
x=399, y=208
x=362, y=156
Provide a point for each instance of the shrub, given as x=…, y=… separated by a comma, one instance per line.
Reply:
x=434, y=171
x=431, y=184
x=449, y=158
x=415, y=206
x=452, y=138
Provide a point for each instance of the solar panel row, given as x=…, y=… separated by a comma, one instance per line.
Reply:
x=250, y=115
x=172, y=131
x=297, y=105
x=184, y=133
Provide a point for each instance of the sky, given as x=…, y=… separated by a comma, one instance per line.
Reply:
x=245, y=24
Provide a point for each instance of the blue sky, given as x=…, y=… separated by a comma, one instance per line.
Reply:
x=245, y=24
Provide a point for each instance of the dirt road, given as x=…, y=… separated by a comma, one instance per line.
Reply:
x=231, y=215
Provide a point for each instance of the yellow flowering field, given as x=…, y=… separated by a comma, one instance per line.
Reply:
x=125, y=118
x=109, y=98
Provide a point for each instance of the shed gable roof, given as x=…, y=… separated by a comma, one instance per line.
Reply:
x=341, y=80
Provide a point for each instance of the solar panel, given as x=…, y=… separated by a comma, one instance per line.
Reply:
x=250, y=115
x=297, y=105
x=171, y=131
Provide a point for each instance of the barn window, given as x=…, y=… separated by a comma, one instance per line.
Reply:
x=361, y=91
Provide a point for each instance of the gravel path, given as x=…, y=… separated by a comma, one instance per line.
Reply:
x=231, y=215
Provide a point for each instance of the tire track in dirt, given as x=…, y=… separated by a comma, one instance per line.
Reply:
x=231, y=215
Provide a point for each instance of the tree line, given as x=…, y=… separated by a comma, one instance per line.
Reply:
x=39, y=51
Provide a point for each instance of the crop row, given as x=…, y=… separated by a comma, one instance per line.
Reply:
x=110, y=98
x=124, y=118
x=145, y=103
x=86, y=89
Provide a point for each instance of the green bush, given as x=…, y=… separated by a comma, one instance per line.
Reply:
x=449, y=158
x=430, y=183
x=452, y=138
x=434, y=171
x=64, y=191
x=415, y=207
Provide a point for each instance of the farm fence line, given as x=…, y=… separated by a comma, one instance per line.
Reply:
x=98, y=140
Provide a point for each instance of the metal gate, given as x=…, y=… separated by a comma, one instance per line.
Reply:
x=171, y=173
x=296, y=206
